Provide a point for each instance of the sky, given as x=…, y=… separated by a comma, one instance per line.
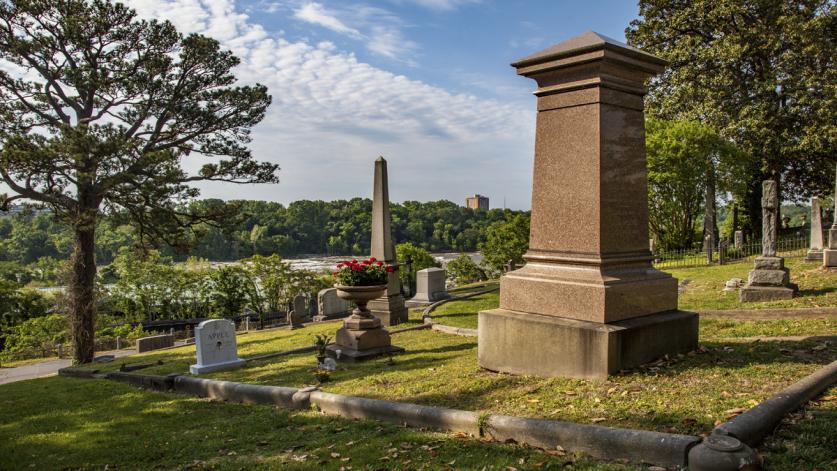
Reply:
x=424, y=83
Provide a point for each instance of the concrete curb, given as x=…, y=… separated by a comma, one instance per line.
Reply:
x=455, y=330
x=608, y=443
x=413, y=415
x=753, y=425
x=155, y=382
x=410, y=329
x=75, y=372
x=771, y=314
x=425, y=314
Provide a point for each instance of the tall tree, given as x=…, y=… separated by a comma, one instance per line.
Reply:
x=100, y=108
x=687, y=163
x=762, y=72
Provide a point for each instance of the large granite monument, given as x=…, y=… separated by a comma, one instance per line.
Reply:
x=769, y=280
x=829, y=254
x=587, y=303
x=215, y=345
x=815, y=251
x=390, y=308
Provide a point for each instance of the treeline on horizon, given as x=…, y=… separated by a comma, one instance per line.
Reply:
x=304, y=227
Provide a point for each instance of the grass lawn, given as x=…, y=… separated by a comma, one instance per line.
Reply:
x=464, y=314
x=704, y=291
x=58, y=422
x=687, y=394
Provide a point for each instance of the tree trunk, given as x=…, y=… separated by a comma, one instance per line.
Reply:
x=82, y=293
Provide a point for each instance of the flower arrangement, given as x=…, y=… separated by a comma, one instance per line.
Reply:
x=369, y=272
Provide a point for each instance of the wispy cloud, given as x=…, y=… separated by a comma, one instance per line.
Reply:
x=333, y=114
x=380, y=30
x=444, y=5
x=317, y=14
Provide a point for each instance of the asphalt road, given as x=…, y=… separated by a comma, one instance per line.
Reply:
x=46, y=368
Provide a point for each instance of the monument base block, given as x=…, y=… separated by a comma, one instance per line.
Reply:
x=829, y=258
x=227, y=365
x=750, y=294
x=389, y=309
x=350, y=355
x=813, y=256
x=535, y=344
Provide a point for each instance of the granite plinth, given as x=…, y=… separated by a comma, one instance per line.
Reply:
x=587, y=294
x=349, y=355
x=752, y=293
x=769, y=281
x=227, y=365
x=829, y=258
x=534, y=344
x=362, y=339
x=814, y=256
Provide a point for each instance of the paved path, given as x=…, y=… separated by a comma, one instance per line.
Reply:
x=46, y=368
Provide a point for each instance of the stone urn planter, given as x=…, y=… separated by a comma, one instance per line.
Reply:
x=362, y=335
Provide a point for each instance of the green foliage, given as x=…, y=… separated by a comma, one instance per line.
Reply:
x=274, y=283
x=18, y=305
x=762, y=73
x=421, y=259
x=463, y=270
x=261, y=228
x=506, y=241
x=683, y=156
x=39, y=334
x=124, y=331
x=150, y=283
x=228, y=290
x=364, y=273
x=321, y=341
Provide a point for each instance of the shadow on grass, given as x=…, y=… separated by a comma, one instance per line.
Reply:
x=816, y=291
x=60, y=423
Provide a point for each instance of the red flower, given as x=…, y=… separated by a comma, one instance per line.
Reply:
x=390, y=269
x=380, y=264
x=339, y=265
x=334, y=274
x=354, y=261
x=373, y=259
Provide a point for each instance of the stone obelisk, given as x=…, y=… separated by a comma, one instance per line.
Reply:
x=390, y=308
x=815, y=251
x=769, y=280
x=829, y=255
x=587, y=303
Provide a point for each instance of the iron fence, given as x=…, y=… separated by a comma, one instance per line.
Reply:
x=725, y=253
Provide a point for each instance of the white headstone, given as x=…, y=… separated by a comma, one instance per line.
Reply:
x=216, y=347
x=430, y=286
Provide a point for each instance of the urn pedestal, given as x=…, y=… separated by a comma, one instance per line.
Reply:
x=363, y=335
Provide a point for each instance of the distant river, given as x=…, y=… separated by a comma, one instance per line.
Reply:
x=329, y=263
x=322, y=263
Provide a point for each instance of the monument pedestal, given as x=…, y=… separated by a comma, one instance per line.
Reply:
x=814, y=256
x=534, y=344
x=769, y=281
x=829, y=255
x=361, y=339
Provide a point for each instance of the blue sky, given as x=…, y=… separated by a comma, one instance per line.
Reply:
x=425, y=83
